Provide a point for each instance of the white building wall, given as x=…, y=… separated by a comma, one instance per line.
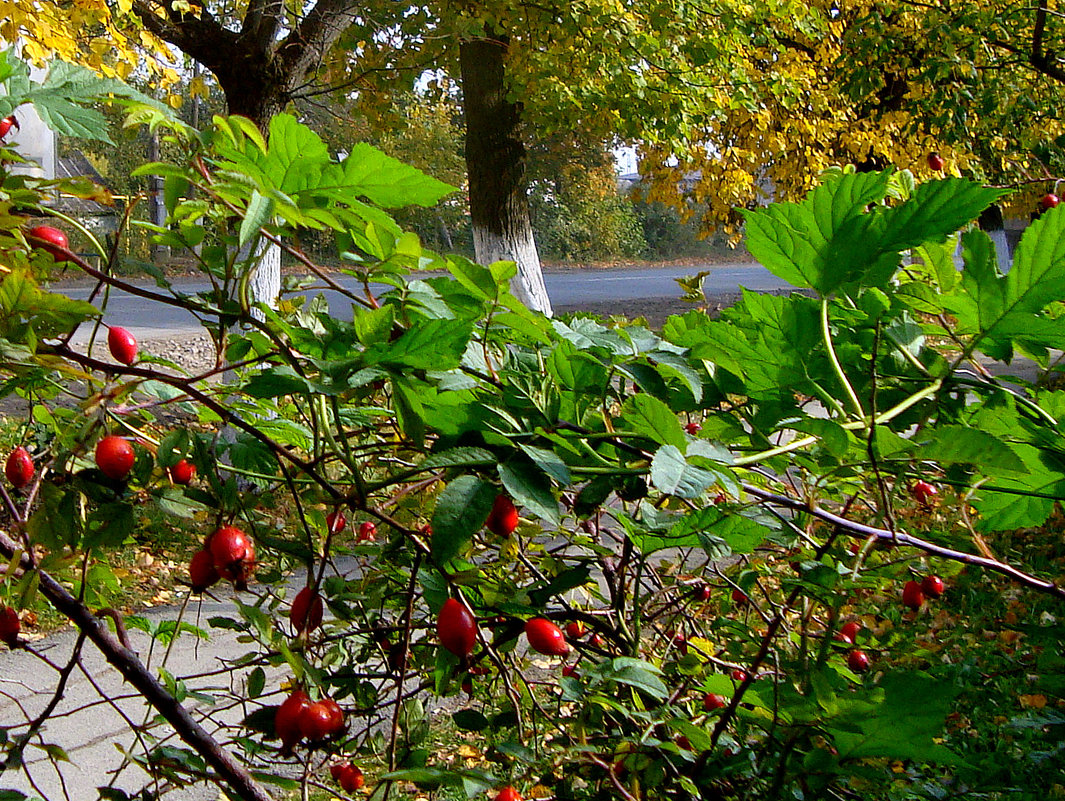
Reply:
x=34, y=140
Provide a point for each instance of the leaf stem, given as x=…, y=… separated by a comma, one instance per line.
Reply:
x=836, y=366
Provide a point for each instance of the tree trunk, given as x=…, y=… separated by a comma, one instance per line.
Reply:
x=495, y=164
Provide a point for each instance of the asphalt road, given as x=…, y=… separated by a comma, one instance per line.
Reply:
x=148, y=319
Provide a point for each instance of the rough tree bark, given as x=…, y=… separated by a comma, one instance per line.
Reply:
x=257, y=68
x=495, y=165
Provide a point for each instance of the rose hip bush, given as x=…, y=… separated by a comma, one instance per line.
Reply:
x=665, y=611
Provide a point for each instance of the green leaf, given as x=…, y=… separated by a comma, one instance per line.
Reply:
x=469, y=720
x=1002, y=309
x=460, y=511
x=1037, y=276
x=900, y=720
x=964, y=445
x=529, y=487
x=256, y=682
x=574, y=372
x=426, y=345
x=742, y=534
x=635, y=673
x=276, y=382
x=587, y=334
x=833, y=437
x=651, y=418
x=474, y=277
x=1024, y=500
x=549, y=462
x=26, y=307
x=423, y=777
x=248, y=453
x=108, y=526
x=260, y=210
x=54, y=523
x=458, y=457
x=936, y=210
x=794, y=241
x=389, y=182
x=374, y=325
x=831, y=239
x=409, y=411
x=562, y=583
x=672, y=474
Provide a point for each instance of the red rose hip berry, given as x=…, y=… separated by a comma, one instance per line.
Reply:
x=367, y=532
x=848, y=632
x=545, y=637
x=457, y=628
x=932, y=586
x=924, y=493
x=19, y=467
x=10, y=626
x=508, y=793
x=335, y=522
x=202, y=573
x=233, y=553
x=1049, y=201
x=122, y=344
x=307, y=610
x=6, y=124
x=912, y=595
x=183, y=472
x=858, y=661
x=114, y=457
x=712, y=701
x=503, y=518
x=348, y=776
x=54, y=241
x=321, y=720
x=935, y=162
x=287, y=719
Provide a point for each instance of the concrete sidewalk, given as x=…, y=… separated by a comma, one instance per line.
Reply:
x=92, y=721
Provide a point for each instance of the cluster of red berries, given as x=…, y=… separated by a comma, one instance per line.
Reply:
x=857, y=659
x=299, y=718
x=227, y=553
x=913, y=596
x=914, y=593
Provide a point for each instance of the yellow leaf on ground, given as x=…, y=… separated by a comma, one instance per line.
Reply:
x=1033, y=701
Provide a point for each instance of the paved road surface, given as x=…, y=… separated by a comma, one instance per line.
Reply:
x=150, y=320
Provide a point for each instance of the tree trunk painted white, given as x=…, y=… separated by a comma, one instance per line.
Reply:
x=265, y=283
x=495, y=164
x=993, y=224
x=519, y=247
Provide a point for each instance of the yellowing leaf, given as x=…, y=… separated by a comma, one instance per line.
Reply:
x=1033, y=701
